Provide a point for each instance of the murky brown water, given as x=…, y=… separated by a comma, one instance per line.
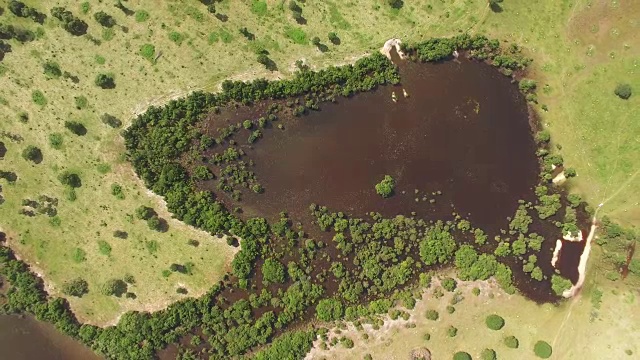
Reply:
x=25, y=338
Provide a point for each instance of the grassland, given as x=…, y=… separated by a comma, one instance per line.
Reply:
x=582, y=49
x=598, y=323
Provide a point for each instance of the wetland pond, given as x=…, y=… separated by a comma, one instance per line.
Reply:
x=458, y=141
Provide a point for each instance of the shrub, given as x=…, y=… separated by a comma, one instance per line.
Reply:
x=76, y=287
x=570, y=172
x=115, y=287
x=104, y=19
x=110, y=120
x=333, y=37
x=623, y=91
x=451, y=309
x=81, y=102
x=385, y=187
x=148, y=51
x=543, y=136
x=32, y=153
x=494, y=322
x=76, y=127
x=488, y=354
x=105, y=81
x=452, y=331
x=511, y=342
x=634, y=266
x=559, y=284
x=461, y=355
x=144, y=212
x=116, y=190
x=176, y=37
x=78, y=255
x=449, y=284
x=154, y=223
x=70, y=179
x=432, y=315
x=38, y=98
x=272, y=272
x=52, y=69
x=542, y=349
x=142, y=16
x=104, y=248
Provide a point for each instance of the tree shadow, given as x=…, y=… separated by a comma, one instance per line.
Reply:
x=301, y=20
x=124, y=9
x=323, y=48
x=10, y=176
x=495, y=7
x=336, y=41
x=3, y=150
x=222, y=17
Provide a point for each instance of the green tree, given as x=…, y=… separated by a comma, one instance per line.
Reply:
x=488, y=354
x=542, y=349
x=333, y=37
x=272, y=272
x=461, y=355
x=154, y=223
x=144, y=212
x=70, y=179
x=115, y=287
x=329, y=310
x=432, y=315
x=52, y=69
x=623, y=91
x=452, y=331
x=385, y=187
x=105, y=81
x=559, y=284
x=494, y=322
x=104, y=19
x=32, y=153
x=76, y=287
x=511, y=342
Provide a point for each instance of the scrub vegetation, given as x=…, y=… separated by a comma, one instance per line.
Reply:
x=98, y=234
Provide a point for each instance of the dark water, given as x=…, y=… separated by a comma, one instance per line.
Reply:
x=24, y=338
x=462, y=131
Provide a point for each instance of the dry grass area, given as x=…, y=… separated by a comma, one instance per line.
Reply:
x=577, y=329
x=581, y=50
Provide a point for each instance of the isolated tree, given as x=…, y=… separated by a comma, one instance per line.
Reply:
x=385, y=187
x=511, y=342
x=315, y=41
x=32, y=153
x=488, y=354
x=154, y=223
x=570, y=172
x=542, y=349
x=76, y=287
x=144, y=212
x=115, y=287
x=432, y=315
x=559, y=284
x=494, y=322
x=110, y=120
x=333, y=37
x=105, y=81
x=52, y=69
x=104, y=19
x=461, y=355
x=623, y=91
x=70, y=179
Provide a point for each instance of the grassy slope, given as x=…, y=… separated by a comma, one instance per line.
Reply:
x=582, y=109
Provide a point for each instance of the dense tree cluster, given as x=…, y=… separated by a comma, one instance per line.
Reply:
x=70, y=23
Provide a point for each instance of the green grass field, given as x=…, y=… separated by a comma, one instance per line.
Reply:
x=589, y=326
x=581, y=50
